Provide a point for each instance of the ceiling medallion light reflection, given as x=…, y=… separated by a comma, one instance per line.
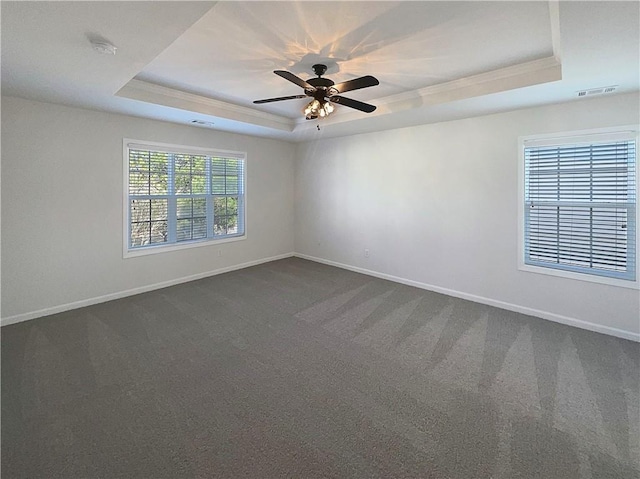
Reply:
x=103, y=47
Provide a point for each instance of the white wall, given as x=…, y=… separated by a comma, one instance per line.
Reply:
x=419, y=199
x=437, y=204
x=62, y=197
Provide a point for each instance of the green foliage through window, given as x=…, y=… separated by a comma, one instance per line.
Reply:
x=177, y=197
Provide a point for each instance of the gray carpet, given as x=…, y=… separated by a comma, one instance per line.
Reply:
x=301, y=370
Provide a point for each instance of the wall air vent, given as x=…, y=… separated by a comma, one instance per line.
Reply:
x=202, y=122
x=597, y=91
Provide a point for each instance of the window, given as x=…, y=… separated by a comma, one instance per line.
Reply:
x=579, y=206
x=179, y=197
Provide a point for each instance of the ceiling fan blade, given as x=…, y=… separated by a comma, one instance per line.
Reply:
x=355, y=84
x=294, y=79
x=280, y=98
x=351, y=103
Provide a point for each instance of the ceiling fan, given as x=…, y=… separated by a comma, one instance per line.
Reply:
x=324, y=92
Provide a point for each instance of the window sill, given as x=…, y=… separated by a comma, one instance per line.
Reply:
x=144, y=251
x=590, y=278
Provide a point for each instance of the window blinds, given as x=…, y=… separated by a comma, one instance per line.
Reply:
x=580, y=208
x=183, y=195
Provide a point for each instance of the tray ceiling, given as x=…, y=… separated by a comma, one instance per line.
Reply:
x=180, y=61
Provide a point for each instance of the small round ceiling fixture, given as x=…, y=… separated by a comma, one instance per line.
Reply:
x=105, y=48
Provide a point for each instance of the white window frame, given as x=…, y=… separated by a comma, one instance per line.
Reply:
x=628, y=132
x=128, y=251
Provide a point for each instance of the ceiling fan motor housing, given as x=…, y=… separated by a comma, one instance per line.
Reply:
x=320, y=82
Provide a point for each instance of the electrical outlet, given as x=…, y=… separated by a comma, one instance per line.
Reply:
x=366, y=253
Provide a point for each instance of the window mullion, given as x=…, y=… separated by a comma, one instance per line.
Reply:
x=172, y=209
x=209, y=192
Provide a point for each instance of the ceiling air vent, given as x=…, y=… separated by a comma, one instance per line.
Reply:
x=598, y=91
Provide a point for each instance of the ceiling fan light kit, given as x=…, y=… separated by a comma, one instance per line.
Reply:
x=324, y=92
x=317, y=109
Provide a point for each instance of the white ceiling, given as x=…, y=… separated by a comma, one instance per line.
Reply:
x=180, y=61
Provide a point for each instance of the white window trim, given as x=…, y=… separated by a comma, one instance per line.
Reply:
x=128, y=252
x=580, y=136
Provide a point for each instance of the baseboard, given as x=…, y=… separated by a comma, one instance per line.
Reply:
x=450, y=292
x=578, y=323
x=130, y=292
